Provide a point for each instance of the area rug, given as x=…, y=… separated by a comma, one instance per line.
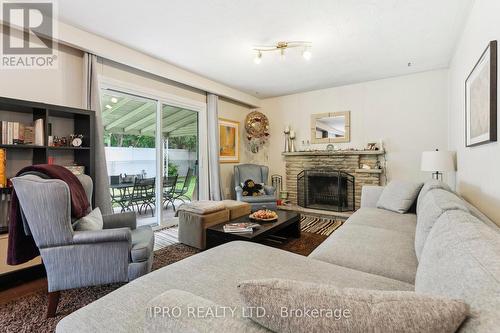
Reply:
x=319, y=225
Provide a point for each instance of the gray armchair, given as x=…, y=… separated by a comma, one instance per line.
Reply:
x=73, y=259
x=259, y=174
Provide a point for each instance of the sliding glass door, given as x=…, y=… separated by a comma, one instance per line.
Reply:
x=152, y=155
x=179, y=157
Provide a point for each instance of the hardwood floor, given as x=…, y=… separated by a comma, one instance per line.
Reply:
x=23, y=289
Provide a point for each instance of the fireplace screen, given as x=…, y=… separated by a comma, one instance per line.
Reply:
x=325, y=189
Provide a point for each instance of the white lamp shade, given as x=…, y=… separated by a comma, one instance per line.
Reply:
x=437, y=161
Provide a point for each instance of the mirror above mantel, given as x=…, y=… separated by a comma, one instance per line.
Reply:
x=332, y=127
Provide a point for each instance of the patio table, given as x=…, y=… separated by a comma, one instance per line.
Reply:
x=123, y=191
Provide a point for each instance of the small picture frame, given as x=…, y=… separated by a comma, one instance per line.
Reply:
x=481, y=99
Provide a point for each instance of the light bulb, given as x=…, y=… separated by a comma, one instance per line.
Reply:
x=307, y=54
x=258, y=58
x=108, y=106
x=114, y=100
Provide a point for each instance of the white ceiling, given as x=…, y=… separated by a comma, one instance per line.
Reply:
x=353, y=40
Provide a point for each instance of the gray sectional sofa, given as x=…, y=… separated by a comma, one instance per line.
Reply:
x=447, y=248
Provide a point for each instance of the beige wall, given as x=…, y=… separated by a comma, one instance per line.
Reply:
x=408, y=113
x=477, y=167
x=61, y=86
x=237, y=112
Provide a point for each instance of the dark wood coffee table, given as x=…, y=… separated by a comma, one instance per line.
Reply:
x=287, y=225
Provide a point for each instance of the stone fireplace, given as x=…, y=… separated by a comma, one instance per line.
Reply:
x=349, y=161
x=325, y=189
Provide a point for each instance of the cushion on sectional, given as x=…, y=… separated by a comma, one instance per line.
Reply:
x=214, y=275
x=379, y=251
x=435, y=203
x=177, y=311
x=398, y=196
x=293, y=306
x=431, y=184
x=461, y=259
x=385, y=219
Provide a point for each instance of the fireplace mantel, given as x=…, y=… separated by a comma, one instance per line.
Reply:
x=349, y=161
x=334, y=152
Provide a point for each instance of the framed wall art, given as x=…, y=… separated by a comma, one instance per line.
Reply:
x=481, y=99
x=229, y=141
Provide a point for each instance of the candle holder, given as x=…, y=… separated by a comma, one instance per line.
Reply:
x=292, y=143
x=287, y=133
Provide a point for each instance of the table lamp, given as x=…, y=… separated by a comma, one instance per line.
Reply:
x=437, y=162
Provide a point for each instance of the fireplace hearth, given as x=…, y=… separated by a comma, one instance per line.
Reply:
x=326, y=190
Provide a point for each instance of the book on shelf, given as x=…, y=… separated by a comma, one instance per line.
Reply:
x=240, y=227
x=3, y=168
x=29, y=135
x=13, y=133
x=39, y=132
x=4, y=132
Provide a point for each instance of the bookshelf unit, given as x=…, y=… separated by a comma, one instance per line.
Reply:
x=64, y=121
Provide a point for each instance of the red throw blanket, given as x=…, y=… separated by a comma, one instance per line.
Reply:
x=22, y=247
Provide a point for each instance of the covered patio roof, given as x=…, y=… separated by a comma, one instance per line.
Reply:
x=132, y=115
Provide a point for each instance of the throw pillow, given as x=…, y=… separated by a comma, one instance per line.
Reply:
x=181, y=311
x=93, y=221
x=398, y=196
x=429, y=185
x=294, y=306
x=251, y=188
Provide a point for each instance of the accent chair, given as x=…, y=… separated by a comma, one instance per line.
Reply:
x=120, y=252
x=259, y=174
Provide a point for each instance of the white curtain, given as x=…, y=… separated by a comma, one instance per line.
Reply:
x=214, y=180
x=92, y=101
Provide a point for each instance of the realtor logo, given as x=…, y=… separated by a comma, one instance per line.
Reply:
x=28, y=35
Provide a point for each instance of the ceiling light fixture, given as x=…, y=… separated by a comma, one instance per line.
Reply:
x=258, y=58
x=307, y=53
x=108, y=106
x=281, y=47
x=114, y=100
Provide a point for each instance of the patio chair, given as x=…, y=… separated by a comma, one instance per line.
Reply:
x=143, y=195
x=169, y=184
x=181, y=194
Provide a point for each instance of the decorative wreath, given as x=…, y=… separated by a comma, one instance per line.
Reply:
x=257, y=128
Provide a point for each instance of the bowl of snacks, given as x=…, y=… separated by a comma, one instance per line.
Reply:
x=264, y=215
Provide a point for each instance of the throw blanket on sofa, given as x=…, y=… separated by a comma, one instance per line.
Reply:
x=201, y=207
x=22, y=247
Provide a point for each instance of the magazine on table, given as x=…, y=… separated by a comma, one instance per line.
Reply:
x=244, y=227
